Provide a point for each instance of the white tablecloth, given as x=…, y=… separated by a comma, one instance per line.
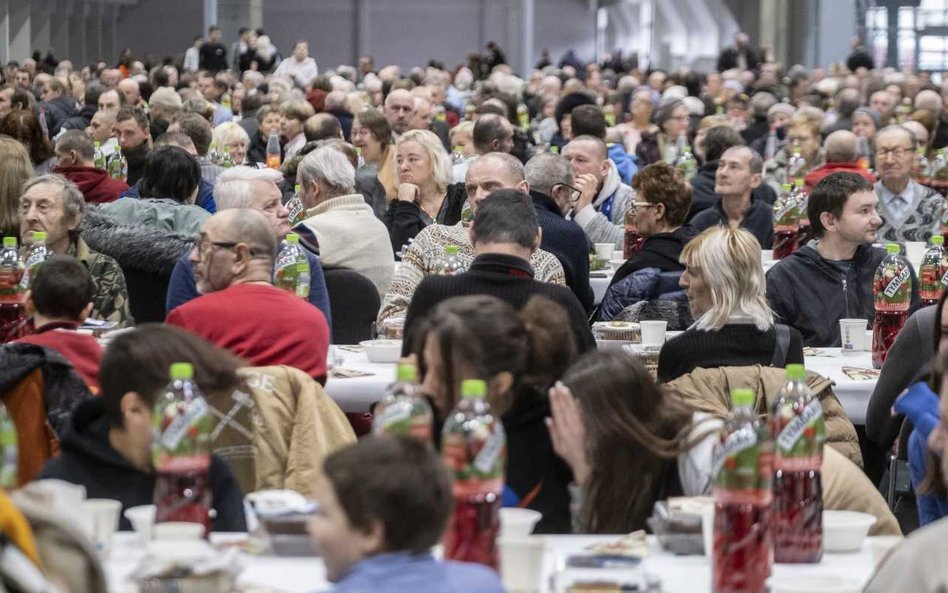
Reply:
x=679, y=574
x=356, y=394
x=599, y=285
x=852, y=393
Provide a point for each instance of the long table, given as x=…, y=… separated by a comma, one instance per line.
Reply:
x=678, y=574
x=356, y=394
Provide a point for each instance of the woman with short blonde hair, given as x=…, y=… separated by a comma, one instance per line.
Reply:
x=233, y=140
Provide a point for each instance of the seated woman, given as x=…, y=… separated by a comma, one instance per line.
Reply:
x=519, y=356
x=663, y=200
x=232, y=140
x=672, y=120
x=372, y=134
x=629, y=442
x=425, y=193
x=734, y=326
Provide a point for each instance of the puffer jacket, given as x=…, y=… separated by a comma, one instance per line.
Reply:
x=644, y=285
x=57, y=111
x=143, y=248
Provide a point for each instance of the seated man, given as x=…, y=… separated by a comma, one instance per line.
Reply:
x=604, y=199
x=738, y=174
x=75, y=160
x=910, y=211
x=54, y=205
x=107, y=442
x=842, y=154
x=241, y=310
x=383, y=504
x=488, y=173
x=246, y=187
x=831, y=277
x=505, y=234
x=349, y=234
x=59, y=300
x=168, y=190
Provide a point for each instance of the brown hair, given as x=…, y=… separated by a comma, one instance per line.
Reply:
x=377, y=125
x=22, y=125
x=15, y=172
x=661, y=183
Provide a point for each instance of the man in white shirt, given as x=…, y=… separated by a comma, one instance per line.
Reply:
x=300, y=67
x=192, y=57
x=910, y=211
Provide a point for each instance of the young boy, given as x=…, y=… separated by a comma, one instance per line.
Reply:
x=383, y=503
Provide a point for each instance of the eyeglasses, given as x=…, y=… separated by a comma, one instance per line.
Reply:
x=573, y=192
x=204, y=244
x=642, y=205
x=898, y=153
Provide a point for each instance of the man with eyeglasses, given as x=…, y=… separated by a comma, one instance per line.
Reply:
x=910, y=211
x=240, y=309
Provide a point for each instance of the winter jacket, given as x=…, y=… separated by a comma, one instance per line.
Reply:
x=406, y=219
x=40, y=389
x=820, y=173
x=661, y=250
x=160, y=213
x=142, y=248
x=646, y=284
x=624, y=162
x=703, y=195
x=136, y=157
x=296, y=427
x=88, y=459
x=613, y=195
x=204, y=199
x=95, y=184
x=809, y=293
x=758, y=220
x=81, y=120
x=110, y=297
x=57, y=111
x=564, y=239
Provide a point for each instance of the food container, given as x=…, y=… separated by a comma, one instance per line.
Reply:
x=392, y=328
x=677, y=530
x=382, y=350
x=615, y=334
x=845, y=531
x=288, y=536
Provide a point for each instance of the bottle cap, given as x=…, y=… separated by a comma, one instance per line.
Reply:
x=407, y=372
x=798, y=183
x=687, y=148
x=892, y=248
x=452, y=249
x=458, y=148
x=786, y=186
x=936, y=240
x=742, y=397
x=796, y=371
x=9, y=242
x=473, y=389
x=292, y=238
x=358, y=151
x=39, y=236
x=182, y=370
x=296, y=188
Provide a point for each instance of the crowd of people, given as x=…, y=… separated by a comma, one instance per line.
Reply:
x=165, y=190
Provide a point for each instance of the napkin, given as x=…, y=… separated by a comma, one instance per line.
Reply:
x=857, y=374
x=340, y=373
x=811, y=351
x=355, y=348
x=633, y=544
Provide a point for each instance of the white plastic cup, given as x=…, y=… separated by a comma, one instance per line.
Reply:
x=177, y=531
x=101, y=521
x=604, y=250
x=62, y=495
x=618, y=255
x=852, y=335
x=142, y=519
x=707, y=528
x=515, y=522
x=521, y=563
x=766, y=255
x=653, y=332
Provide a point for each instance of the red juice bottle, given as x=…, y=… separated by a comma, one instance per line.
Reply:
x=786, y=223
x=892, y=288
x=474, y=447
x=181, y=451
x=742, y=555
x=931, y=274
x=799, y=432
x=633, y=239
x=404, y=410
x=12, y=306
x=803, y=199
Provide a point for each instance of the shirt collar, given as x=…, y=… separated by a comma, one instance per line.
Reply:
x=503, y=264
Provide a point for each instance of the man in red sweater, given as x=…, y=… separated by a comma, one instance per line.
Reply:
x=60, y=300
x=842, y=154
x=240, y=309
x=75, y=160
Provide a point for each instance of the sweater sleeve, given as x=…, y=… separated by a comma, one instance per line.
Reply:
x=227, y=499
x=318, y=293
x=598, y=228
x=409, y=274
x=404, y=222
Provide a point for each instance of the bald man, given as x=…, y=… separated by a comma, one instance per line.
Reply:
x=399, y=110
x=604, y=199
x=842, y=154
x=240, y=309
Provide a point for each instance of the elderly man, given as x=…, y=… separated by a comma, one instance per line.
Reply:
x=842, y=154
x=884, y=103
x=163, y=104
x=910, y=211
x=75, y=160
x=488, y=173
x=739, y=173
x=133, y=95
x=492, y=133
x=54, y=205
x=349, y=234
x=604, y=199
x=399, y=110
x=258, y=189
x=240, y=309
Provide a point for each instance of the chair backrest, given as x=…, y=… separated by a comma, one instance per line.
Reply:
x=146, y=294
x=354, y=302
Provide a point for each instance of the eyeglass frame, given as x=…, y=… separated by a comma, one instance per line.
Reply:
x=573, y=192
x=898, y=152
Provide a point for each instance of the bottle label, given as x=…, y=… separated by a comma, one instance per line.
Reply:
x=487, y=457
x=735, y=444
x=295, y=206
x=896, y=283
x=797, y=428
x=395, y=414
x=179, y=427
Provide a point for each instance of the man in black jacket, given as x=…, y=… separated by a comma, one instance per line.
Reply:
x=716, y=141
x=550, y=178
x=831, y=278
x=504, y=234
x=107, y=442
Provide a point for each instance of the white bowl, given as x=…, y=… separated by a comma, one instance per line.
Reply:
x=142, y=519
x=382, y=350
x=516, y=522
x=178, y=531
x=845, y=531
x=814, y=583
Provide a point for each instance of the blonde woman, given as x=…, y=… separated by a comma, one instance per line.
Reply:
x=16, y=170
x=734, y=325
x=232, y=139
x=425, y=193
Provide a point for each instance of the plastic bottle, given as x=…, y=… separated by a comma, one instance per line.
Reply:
x=457, y=155
x=291, y=271
x=213, y=154
x=742, y=555
x=940, y=165
x=796, y=165
x=892, y=288
x=273, y=151
x=799, y=432
x=863, y=160
x=37, y=253
x=686, y=163
x=467, y=213
x=523, y=117
x=12, y=307
x=786, y=223
x=932, y=272
x=181, y=450
x=770, y=147
x=450, y=264
x=99, y=156
x=295, y=206
x=802, y=199
x=115, y=164
x=474, y=447
x=10, y=454
x=920, y=170
x=404, y=410
x=633, y=239
x=360, y=158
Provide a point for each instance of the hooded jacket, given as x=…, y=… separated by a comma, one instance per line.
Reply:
x=87, y=458
x=82, y=119
x=148, y=249
x=603, y=221
x=95, y=184
x=809, y=293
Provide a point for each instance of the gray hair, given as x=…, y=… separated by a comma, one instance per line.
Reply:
x=74, y=204
x=234, y=186
x=330, y=166
x=166, y=98
x=78, y=141
x=545, y=170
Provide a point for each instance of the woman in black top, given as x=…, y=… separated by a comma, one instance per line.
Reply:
x=734, y=326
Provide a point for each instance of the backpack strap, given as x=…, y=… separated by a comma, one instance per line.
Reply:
x=781, y=345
